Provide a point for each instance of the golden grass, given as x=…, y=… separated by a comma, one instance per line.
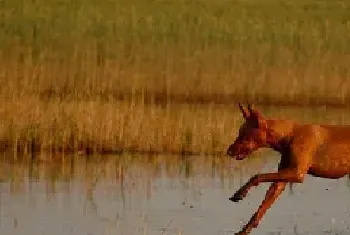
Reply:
x=30, y=125
x=104, y=77
x=110, y=127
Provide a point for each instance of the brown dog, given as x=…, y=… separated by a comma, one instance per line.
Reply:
x=318, y=150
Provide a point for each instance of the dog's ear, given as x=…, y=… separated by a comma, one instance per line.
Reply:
x=253, y=111
x=245, y=112
x=256, y=116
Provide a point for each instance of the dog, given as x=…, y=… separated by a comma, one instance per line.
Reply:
x=313, y=149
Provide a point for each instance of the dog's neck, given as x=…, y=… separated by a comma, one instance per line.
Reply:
x=279, y=134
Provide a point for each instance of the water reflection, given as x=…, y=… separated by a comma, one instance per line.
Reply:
x=159, y=195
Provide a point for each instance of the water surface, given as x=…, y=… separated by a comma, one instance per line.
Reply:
x=161, y=195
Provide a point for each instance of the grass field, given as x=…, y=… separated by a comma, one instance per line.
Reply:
x=99, y=127
x=102, y=61
x=277, y=49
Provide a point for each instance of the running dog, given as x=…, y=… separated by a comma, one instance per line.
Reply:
x=314, y=149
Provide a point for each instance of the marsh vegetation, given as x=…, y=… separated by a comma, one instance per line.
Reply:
x=142, y=75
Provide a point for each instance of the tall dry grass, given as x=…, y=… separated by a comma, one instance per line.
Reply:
x=65, y=65
x=32, y=125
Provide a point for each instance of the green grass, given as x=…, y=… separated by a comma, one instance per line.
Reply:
x=276, y=50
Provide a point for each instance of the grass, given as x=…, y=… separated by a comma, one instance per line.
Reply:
x=206, y=51
x=101, y=76
x=31, y=125
x=111, y=127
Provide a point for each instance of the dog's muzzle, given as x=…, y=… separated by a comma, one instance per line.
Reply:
x=238, y=154
x=230, y=152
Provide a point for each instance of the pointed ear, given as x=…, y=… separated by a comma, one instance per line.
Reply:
x=244, y=111
x=257, y=117
x=253, y=111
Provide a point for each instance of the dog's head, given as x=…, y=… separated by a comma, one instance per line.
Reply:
x=252, y=134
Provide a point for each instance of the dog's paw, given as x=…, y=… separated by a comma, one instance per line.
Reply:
x=241, y=233
x=236, y=198
x=239, y=195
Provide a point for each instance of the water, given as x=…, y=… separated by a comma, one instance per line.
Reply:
x=161, y=195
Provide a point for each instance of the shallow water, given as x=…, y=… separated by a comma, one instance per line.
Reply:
x=161, y=195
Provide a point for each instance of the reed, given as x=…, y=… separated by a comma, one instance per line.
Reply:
x=31, y=126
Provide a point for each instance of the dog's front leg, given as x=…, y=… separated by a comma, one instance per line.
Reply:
x=291, y=175
x=271, y=195
x=292, y=169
